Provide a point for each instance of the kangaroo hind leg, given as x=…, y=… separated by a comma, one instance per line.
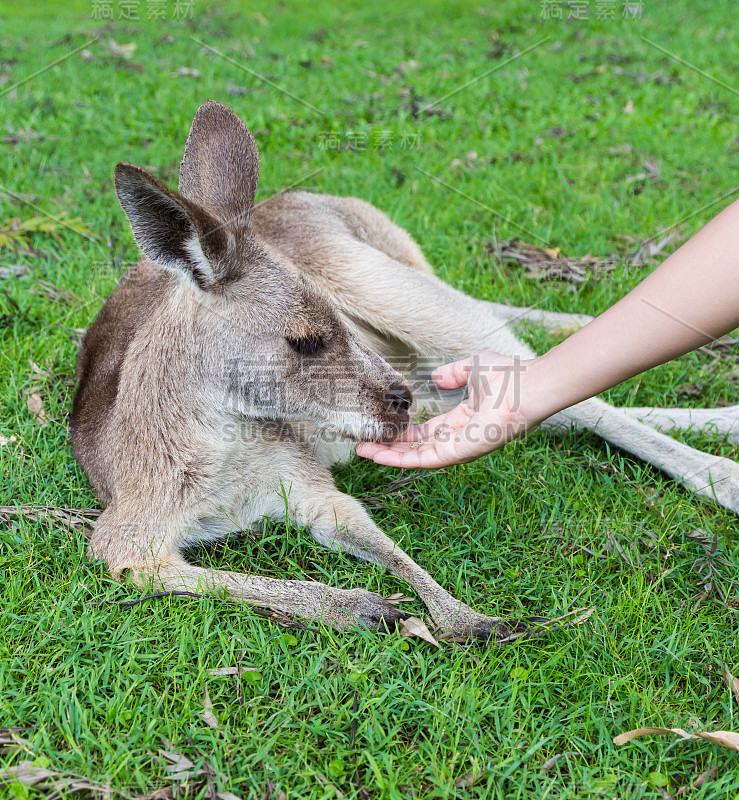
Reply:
x=723, y=421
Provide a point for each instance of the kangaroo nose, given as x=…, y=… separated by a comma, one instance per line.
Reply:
x=399, y=397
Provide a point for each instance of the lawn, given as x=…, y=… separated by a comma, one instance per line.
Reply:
x=470, y=124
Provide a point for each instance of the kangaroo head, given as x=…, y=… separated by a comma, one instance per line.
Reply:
x=262, y=337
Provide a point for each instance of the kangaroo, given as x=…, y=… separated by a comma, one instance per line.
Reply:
x=248, y=350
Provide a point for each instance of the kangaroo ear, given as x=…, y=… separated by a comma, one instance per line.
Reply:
x=172, y=231
x=220, y=168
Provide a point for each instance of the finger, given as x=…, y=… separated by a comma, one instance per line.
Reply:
x=454, y=375
x=454, y=449
x=367, y=449
x=370, y=449
x=424, y=457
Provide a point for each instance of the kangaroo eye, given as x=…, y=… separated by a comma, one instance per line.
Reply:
x=305, y=347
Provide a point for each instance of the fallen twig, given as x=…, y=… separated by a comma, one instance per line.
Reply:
x=80, y=519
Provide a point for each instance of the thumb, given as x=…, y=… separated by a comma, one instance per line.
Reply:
x=454, y=375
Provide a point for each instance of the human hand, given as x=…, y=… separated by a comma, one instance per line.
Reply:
x=488, y=418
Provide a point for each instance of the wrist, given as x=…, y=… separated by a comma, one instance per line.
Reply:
x=540, y=393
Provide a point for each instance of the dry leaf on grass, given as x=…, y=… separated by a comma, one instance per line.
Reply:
x=709, y=567
x=727, y=739
x=641, y=76
x=19, y=135
x=121, y=50
x=16, y=234
x=219, y=672
x=413, y=626
x=621, y=149
x=180, y=767
x=649, y=249
x=689, y=390
x=26, y=773
x=329, y=786
x=53, y=784
x=49, y=291
x=398, y=597
x=76, y=335
x=12, y=271
x=724, y=346
x=44, y=374
x=182, y=770
x=165, y=793
x=208, y=715
x=35, y=406
x=550, y=762
x=469, y=779
x=705, y=777
x=12, y=742
x=731, y=682
x=652, y=172
x=178, y=762
x=546, y=263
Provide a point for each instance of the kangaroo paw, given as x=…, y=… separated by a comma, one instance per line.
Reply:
x=360, y=608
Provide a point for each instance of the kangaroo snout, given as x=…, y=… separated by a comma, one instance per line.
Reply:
x=399, y=397
x=392, y=405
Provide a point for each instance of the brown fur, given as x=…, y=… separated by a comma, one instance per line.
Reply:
x=247, y=350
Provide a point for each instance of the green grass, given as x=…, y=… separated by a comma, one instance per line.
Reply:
x=102, y=688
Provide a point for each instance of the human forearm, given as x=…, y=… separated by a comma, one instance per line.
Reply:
x=692, y=298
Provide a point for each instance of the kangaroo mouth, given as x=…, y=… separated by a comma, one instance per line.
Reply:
x=371, y=429
x=385, y=430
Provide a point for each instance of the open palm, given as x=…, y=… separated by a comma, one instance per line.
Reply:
x=487, y=419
